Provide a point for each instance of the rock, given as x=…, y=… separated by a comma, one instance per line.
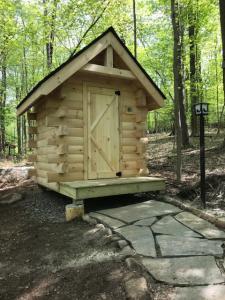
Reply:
x=115, y=238
x=168, y=225
x=108, y=231
x=112, y=223
x=126, y=251
x=195, y=270
x=210, y=292
x=94, y=233
x=103, y=296
x=132, y=263
x=137, y=289
x=138, y=211
x=205, y=228
x=122, y=244
x=141, y=239
x=100, y=226
x=145, y=222
x=11, y=198
x=86, y=218
x=178, y=246
x=92, y=221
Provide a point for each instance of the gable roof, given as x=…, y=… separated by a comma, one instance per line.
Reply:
x=68, y=68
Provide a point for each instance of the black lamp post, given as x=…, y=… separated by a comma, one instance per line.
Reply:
x=201, y=110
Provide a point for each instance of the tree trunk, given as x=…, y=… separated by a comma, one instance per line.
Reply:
x=19, y=146
x=178, y=72
x=18, y=127
x=193, y=81
x=135, y=28
x=24, y=126
x=177, y=81
x=50, y=31
x=222, y=22
x=2, y=106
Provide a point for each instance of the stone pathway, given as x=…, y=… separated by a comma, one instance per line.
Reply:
x=176, y=247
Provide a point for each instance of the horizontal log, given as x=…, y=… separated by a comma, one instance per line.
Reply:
x=54, y=177
x=62, y=168
x=52, y=186
x=42, y=173
x=128, y=118
x=61, y=112
x=129, y=149
x=108, y=71
x=70, y=103
x=140, y=133
x=71, y=158
x=32, y=172
x=62, y=149
x=62, y=130
x=42, y=143
x=129, y=125
x=130, y=157
x=129, y=165
x=129, y=141
x=42, y=158
x=46, y=150
x=141, y=116
x=54, y=121
x=66, y=140
x=57, y=158
x=76, y=167
x=141, y=148
x=75, y=149
x=129, y=133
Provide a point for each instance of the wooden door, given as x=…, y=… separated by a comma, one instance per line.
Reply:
x=103, y=133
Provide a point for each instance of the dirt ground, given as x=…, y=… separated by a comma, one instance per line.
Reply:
x=42, y=256
x=161, y=155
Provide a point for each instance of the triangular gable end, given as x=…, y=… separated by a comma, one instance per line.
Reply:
x=108, y=40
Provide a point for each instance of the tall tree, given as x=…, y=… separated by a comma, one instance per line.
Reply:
x=222, y=22
x=135, y=28
x=177, y=82
x=3, y=102
x=50, y=8
x=195, y=62
x=178, y=73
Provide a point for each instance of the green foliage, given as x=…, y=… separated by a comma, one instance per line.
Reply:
x=24, y=29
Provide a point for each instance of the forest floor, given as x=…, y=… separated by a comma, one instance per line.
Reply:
x=43, y=256
x=162, y=162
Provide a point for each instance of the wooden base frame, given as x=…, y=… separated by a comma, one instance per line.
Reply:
x=109, y=187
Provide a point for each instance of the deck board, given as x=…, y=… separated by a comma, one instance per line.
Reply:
x=108, y=187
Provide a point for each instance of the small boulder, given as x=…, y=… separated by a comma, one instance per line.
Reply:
x=137, y=289
x=122, y=244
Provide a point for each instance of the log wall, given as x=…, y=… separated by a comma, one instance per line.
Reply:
x=59, y=139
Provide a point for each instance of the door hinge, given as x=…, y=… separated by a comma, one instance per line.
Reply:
x=117, y=93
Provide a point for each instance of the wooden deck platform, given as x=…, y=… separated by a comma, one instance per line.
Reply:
x=81, y=190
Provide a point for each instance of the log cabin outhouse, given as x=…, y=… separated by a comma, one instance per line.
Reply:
x=87, y=119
